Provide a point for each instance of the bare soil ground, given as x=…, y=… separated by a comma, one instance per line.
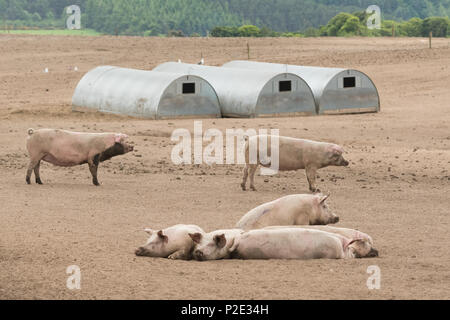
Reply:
x=397, y=187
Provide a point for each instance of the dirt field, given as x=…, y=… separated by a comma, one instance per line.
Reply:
x=397, y=188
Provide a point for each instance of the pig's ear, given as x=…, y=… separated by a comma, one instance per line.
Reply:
x=196, y=237
x=323, y=198
x=220, y=240
x=233, y=245
x=348, y=243
x=149, y=231
x=337, y=149
x=163, y=237
x=120, y=137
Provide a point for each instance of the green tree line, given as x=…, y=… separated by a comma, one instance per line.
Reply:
x=238, y=17
x=346, y=24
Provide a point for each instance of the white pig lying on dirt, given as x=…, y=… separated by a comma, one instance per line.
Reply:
x=350, y=234
x=345, y=232
x=295, y=154
x=214, y=245
x=66, y=149
x=173, y=242
x=295, y=209
x=278, y=243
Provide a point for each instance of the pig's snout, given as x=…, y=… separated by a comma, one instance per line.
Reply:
x=344, y=162
x=130, y=146
x=198, y=255
x=373, y=253
x=332, y=219
x=140, y=251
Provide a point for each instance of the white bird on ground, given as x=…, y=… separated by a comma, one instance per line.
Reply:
x=202, y=61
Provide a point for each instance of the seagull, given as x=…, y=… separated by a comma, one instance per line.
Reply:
x=202, y=61
x=179, y=61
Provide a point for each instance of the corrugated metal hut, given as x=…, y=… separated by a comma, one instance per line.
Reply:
x=335, y=90
x=252, y=93
x=146, y=94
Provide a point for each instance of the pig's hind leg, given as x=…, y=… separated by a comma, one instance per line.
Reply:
x=253, y=168
x=36, y=172
x=244, y=178
x=34, y=162
x=245, y=172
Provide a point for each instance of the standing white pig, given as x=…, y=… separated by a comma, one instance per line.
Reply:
x=295, y=209
x=295, y=154
x=281, y=243
x=173, y=242
x=67, y=149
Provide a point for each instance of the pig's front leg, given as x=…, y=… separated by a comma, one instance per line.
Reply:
x=311, y=176
x=182, y=254
x=93, y=166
